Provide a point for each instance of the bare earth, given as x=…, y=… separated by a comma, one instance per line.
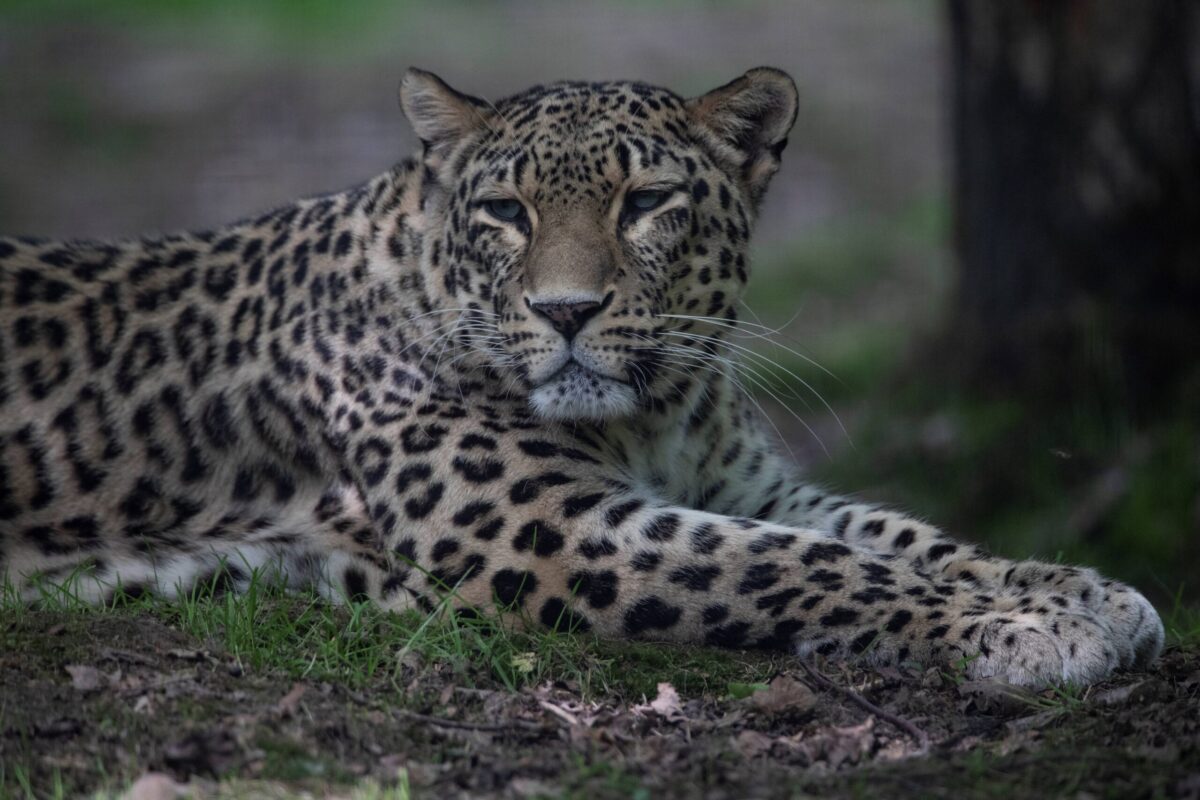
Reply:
x=95, y=701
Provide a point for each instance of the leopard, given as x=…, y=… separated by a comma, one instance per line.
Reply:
x=498, y=378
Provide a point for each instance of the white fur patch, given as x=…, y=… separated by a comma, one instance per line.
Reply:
x=576, y=393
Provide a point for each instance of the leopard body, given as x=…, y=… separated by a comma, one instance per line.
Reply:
x=498, y=372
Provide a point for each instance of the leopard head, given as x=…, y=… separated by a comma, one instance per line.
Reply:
x=575, y=227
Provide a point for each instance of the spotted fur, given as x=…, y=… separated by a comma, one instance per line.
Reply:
x=489, y=371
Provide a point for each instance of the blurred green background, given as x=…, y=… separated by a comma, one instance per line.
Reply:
x=132, y=116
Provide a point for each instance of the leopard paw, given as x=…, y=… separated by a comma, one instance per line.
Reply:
x=1135, y=625
x=1039, y=650
x=1078, y=588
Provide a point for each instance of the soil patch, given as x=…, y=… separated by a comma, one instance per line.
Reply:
x=90, y=702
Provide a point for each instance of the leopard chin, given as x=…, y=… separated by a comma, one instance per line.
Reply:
x=576, y=393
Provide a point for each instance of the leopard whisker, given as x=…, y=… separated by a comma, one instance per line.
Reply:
x=734, y=378
x=737, y=372
x=773, y=364
x=765, y=334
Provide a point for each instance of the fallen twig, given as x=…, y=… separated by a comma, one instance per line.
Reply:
x=486, y=727
x=898, y=722
x=123, y=655
x=561, y=713
x=154, y=686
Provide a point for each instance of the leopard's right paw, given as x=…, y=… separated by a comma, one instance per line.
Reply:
x=1134, y=624
x=1040, y=650
x=1077, y=587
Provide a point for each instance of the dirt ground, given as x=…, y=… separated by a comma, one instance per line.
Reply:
x=92, y=702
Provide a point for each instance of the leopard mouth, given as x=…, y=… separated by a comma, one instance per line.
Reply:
x=573, y=371
x=576, y=392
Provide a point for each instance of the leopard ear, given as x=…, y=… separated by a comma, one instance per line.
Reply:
x=440, y=116
x=746, y=123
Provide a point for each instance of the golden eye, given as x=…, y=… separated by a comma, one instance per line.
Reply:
x=646, y=199
x=506, y=209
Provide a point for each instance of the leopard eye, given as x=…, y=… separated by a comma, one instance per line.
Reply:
x=506, y=209
x=646, y=199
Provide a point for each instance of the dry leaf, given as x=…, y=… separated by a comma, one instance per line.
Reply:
x=1122, y=694
x=665, y=705
x=1034, y=721
x=889, y=672
x=838, y=746
x=784, y=694
x=288, y=704
x=996, y=696
x=667, y=702
x=205, y=752
x=496, y=704
x=560, y=712
x=85, y=678
x=530, y=787
x=154, y=786
x=409, y=659
x=752, y=744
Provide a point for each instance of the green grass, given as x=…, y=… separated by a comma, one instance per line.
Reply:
x=300, y=635
x=1182, y=621
x=1062, y=698
x=397, y=659
x=15, y=783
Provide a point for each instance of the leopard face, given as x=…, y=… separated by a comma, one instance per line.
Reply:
x=584, y=223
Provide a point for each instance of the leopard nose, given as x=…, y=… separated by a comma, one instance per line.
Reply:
x=568, y=317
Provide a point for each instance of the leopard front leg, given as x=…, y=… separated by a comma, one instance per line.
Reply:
x=534, y=523
x=1135, y=627
x=638, y=568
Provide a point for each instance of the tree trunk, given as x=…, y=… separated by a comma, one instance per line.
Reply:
x=1077, y=197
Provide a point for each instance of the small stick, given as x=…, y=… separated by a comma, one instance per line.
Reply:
x=898, y=722
x=123, y=655
x=488, y=727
